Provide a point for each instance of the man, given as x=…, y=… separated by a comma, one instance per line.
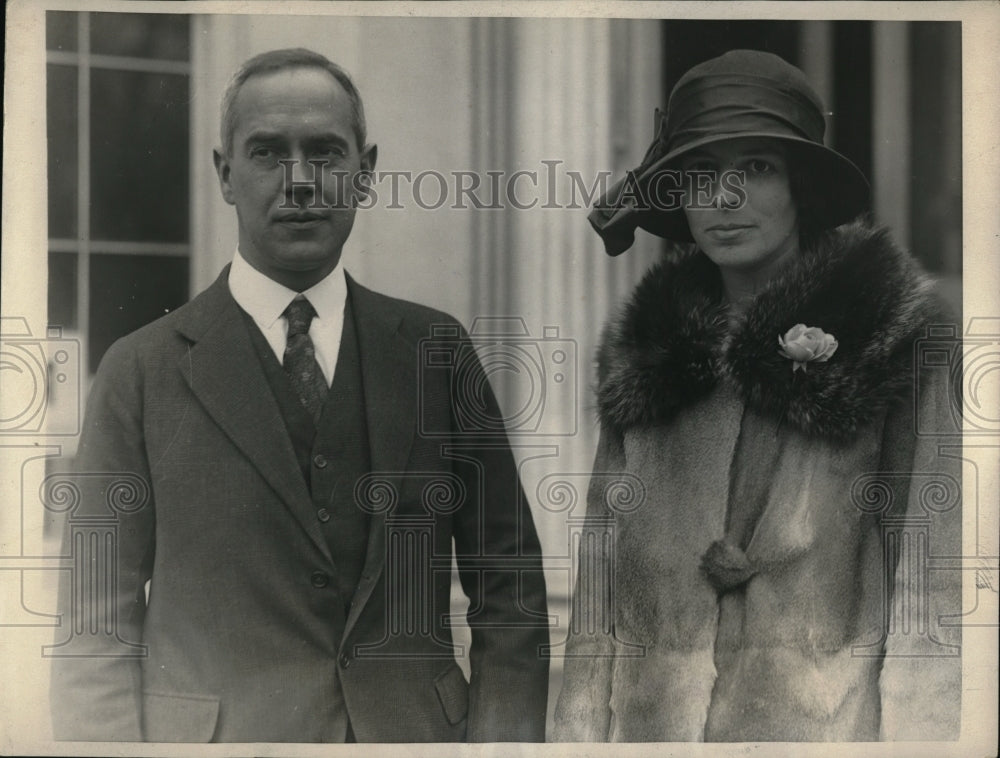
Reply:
x=286, y=518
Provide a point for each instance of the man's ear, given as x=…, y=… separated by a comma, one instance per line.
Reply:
x=368, y=158
x=222, y=168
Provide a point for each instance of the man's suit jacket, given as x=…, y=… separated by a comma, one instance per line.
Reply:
x=238, y=641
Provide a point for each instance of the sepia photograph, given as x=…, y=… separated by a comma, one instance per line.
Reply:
x=500, y=379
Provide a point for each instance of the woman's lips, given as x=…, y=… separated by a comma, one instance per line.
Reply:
x=727, y=227
x=724, y=232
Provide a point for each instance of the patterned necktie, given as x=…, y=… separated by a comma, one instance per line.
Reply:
x=300, y=357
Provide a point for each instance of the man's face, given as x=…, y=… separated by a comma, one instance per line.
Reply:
x=292, y=223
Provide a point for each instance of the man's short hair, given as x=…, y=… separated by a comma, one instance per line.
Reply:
x=280, y=60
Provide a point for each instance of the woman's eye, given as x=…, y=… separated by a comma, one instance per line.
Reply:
x=760, y=166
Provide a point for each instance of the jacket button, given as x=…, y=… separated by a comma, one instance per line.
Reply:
x=345, y=660
x=319, y=461
x=319, y=579
x=323, y=515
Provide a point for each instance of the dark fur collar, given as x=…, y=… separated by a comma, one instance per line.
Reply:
x=666, y=350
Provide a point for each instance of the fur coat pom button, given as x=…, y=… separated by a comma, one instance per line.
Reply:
x=726, y=566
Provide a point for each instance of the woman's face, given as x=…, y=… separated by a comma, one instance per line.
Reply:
x=757, y=236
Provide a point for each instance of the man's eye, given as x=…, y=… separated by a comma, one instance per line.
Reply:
x=263, y=154
x=760, y=166
x=329, y=151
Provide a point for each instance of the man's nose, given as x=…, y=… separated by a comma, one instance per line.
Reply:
x=303, y=180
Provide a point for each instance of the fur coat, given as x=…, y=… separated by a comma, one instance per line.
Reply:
x=762, y=566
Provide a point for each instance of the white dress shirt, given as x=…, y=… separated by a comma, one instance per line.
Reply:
x=265, y=300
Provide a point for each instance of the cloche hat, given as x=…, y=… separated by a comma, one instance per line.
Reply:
x=743, y=93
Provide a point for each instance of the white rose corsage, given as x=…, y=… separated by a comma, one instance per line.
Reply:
x=805, y=344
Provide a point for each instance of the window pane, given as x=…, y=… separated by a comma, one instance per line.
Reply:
x=61, y=125
x=60, y=30
x=139, y=156
x=141, y=35
x=62, y=290
x=129, y=291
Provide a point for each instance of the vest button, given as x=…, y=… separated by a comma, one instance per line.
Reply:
x=323, y=515
x=319, y=579
x=319, y=461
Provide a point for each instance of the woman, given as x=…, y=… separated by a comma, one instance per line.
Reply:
x=755, y=395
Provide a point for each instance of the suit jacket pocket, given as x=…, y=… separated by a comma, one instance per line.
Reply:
x=453, y=692
x=170, y=717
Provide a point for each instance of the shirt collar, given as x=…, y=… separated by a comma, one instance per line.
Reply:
x=265, y=299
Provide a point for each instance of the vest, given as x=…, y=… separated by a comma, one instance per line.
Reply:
x=332, y=456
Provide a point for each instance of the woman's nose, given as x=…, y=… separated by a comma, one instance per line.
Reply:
x=728, y=188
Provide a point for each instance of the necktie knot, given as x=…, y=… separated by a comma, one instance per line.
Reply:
x=299, y=313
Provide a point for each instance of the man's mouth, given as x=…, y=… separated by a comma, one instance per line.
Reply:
x=300, y=218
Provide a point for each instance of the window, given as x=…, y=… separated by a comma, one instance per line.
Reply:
x=118, y=92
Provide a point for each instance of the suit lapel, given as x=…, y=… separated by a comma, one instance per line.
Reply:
x=225, y=374
x=389, y=377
